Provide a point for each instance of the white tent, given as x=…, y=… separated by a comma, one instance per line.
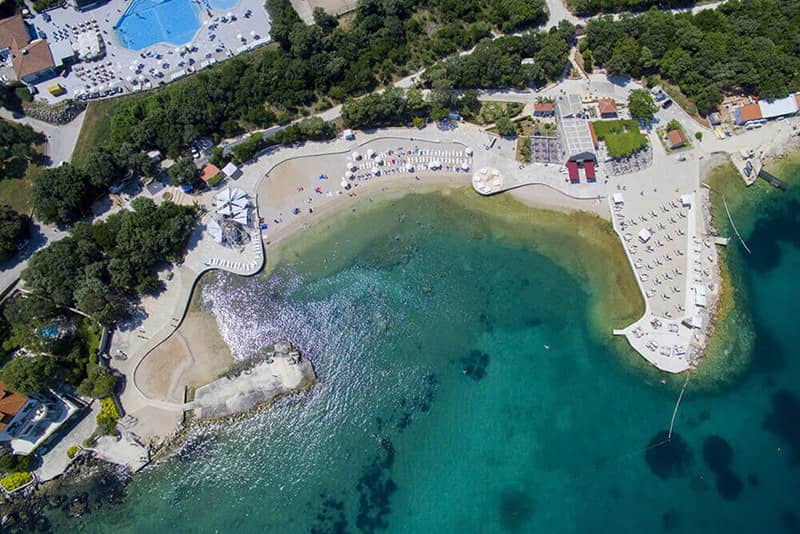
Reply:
x=344, y=184
x=370, y=153
x=238, y=193
x=465, y=166
x=226, y=210
x=686, y=200
x=241, y=217
x=215, y=231
x=618, y=200
x=645, y=235
x=241, y=203
x=224, y=197
x=469, y=151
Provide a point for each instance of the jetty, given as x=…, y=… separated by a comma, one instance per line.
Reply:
x=773, y=180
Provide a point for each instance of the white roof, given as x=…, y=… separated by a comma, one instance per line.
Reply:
x=569, y=106
x=241, y=203
x=778, y=108
x=230, y=169
x=576, y=137
x=686, y=200
x=224, y=196
x=226, y=210
x=645, y=235
x=617, y=197
x=697, y=321
x=241, y=217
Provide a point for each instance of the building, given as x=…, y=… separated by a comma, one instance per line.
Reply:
x=13, y=29
x=208, y=174
x=766, y=109
x=543, y=109
x=575, y=136
x=747, y=113
x=27, y=422
x=231, y=171
x=31, y=59
x=608, y=108
x=676, y=139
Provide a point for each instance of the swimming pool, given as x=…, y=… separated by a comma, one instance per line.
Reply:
x=147, y=22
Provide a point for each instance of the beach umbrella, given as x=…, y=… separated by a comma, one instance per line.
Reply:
x=349, y=175
x=253, y=33
x=469, y=151
x=132, y=67
x=465, y=166
x=129, y=78
x=344, y=184
x=370, y=153
x=179, y=50
x=239, y=36
x=410, y=168
x=356, y=156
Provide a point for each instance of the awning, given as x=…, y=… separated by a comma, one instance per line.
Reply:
x=588, y=166
x=572, y=168
x=645, y=235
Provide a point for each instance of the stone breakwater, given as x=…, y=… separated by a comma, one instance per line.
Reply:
x=60, y=114
x=282, y=371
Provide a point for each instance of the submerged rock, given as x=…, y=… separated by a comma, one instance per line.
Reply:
x=668, y=458
x=475, y=364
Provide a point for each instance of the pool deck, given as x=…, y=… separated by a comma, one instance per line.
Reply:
x=230, y=38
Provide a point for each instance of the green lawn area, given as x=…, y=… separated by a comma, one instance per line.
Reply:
x=621, y=137
x=96, y=126
x=16, y=192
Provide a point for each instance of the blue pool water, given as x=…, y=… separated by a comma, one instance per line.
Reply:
x=147, y=22
x=222, y=4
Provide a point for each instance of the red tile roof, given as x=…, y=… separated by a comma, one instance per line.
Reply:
x=32, y=58
x=607, y=105
x=209, y=171
x=13, y=28
x=544, y=107
x=750, y=112
x=676, y=138
x=11, y=402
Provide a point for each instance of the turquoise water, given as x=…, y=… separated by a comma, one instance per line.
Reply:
x=147, y=22
x=462, y=391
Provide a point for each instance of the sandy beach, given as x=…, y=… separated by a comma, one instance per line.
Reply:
x=193, y=356
x=296, y=183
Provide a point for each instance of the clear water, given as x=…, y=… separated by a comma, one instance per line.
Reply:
x=222, y=4
x=147, y=22
x=463, y=390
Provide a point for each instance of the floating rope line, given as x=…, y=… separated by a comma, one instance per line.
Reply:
x=677, y=404
x=734, y=225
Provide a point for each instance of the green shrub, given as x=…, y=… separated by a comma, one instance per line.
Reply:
x=108, y=416
x=72, y=451
x=16, y=480
x=698, y=136
x=214, y=180
x=13, y=463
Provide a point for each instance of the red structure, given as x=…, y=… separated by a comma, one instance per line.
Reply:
x=572, y=168
x=588, y=167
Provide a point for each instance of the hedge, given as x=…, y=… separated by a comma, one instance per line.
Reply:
x=15, y=480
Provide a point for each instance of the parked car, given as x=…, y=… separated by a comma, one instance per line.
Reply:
x=666, y=104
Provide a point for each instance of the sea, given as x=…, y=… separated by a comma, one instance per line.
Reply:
x=469, y=383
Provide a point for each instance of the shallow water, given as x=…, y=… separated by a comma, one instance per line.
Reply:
x=464, y=390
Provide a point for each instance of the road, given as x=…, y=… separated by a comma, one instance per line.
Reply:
x=60, y=139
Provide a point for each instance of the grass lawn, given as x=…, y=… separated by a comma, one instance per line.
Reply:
x=96, y=126
x=491, y=111
x=16, y=192
x=621, y=137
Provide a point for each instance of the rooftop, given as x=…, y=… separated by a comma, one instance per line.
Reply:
x=10, y=403
x=13, y=28
x=750, y=112
x=32, y=58
x=544, y=107
x=576, y=137
x=569, y=106
x=209, y=171
x=676, y=138
x=607, y=105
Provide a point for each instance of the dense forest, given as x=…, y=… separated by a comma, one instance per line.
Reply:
x=102, y=266
x=14, y=229
x=312, y=65
x=741, y=47
x=586, y=8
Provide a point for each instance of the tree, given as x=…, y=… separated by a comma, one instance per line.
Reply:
x=105, y=304
x=101, y=168
x=698, y=136
x=51, y=272
x=14, y=228
x=99, y=382
x=641, y=105
x=30, y=374
x=61, y=195
x=326, y=22
x=184, y=172
x=505, y=127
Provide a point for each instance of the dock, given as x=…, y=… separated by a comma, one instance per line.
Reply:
x=773, y=180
